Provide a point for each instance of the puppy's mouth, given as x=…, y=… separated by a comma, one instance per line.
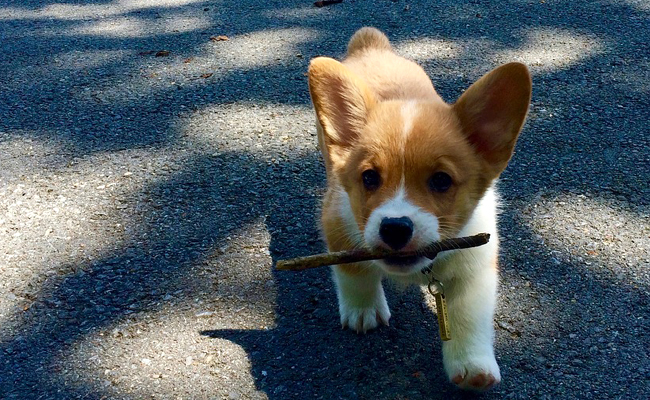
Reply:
x=402, y=261
x=404, y=265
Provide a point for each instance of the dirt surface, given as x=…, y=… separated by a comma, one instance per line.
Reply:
x=151, y=172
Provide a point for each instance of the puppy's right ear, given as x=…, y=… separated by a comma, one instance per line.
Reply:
x=342, y=102
x=492, y=112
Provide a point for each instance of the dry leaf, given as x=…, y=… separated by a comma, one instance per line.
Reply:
x=327, y=3
x=207, y=75
x=220, y=38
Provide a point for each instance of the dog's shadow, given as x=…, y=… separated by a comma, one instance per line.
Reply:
x=308, y=355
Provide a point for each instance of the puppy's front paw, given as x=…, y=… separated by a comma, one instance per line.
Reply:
x=362, y=302
x=473, y=372
x=363, y=319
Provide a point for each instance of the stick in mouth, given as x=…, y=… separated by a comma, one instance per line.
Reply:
x=345, y=257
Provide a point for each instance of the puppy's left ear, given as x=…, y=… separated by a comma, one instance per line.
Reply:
x=492, y=112
x=342, y=102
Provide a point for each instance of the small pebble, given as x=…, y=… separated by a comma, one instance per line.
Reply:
x=204, y=314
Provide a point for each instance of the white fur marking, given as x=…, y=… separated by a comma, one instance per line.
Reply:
x=425, y=225
x=409, y=110
x=351, y=227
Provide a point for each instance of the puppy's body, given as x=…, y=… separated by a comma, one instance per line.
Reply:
x=405, y=169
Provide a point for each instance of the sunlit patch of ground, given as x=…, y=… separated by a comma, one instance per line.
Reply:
x=50, y=203
x=594, y=241
x=260, y=129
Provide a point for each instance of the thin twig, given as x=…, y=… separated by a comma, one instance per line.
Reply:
x=345, y=257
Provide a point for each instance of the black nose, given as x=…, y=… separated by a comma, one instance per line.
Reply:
x=396, y=232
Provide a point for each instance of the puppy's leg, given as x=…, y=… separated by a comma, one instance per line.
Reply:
x=468, y=357
x=362, y=303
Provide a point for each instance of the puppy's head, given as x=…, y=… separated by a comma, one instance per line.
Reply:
x=414, y=171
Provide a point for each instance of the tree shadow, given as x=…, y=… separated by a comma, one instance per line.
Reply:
x=199, y=208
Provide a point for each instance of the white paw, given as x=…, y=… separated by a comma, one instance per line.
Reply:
x=364, y=319
x=362, y=302
x=471, y=372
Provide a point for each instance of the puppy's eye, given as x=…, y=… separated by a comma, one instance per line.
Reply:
x=371, y=179
x=440, y=182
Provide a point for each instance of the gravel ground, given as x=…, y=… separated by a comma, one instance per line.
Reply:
x=151, y=172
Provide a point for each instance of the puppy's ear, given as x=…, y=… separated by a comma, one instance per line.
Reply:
x=492, y=112
x=342, y=102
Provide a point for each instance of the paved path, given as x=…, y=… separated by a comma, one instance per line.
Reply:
x=150, y=173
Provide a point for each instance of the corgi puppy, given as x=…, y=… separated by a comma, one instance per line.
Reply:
x=405, y=169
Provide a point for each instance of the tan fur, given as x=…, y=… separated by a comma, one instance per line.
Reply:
x=388, y=75
x=338, y=238
x=367, y=38
x=508, y=90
